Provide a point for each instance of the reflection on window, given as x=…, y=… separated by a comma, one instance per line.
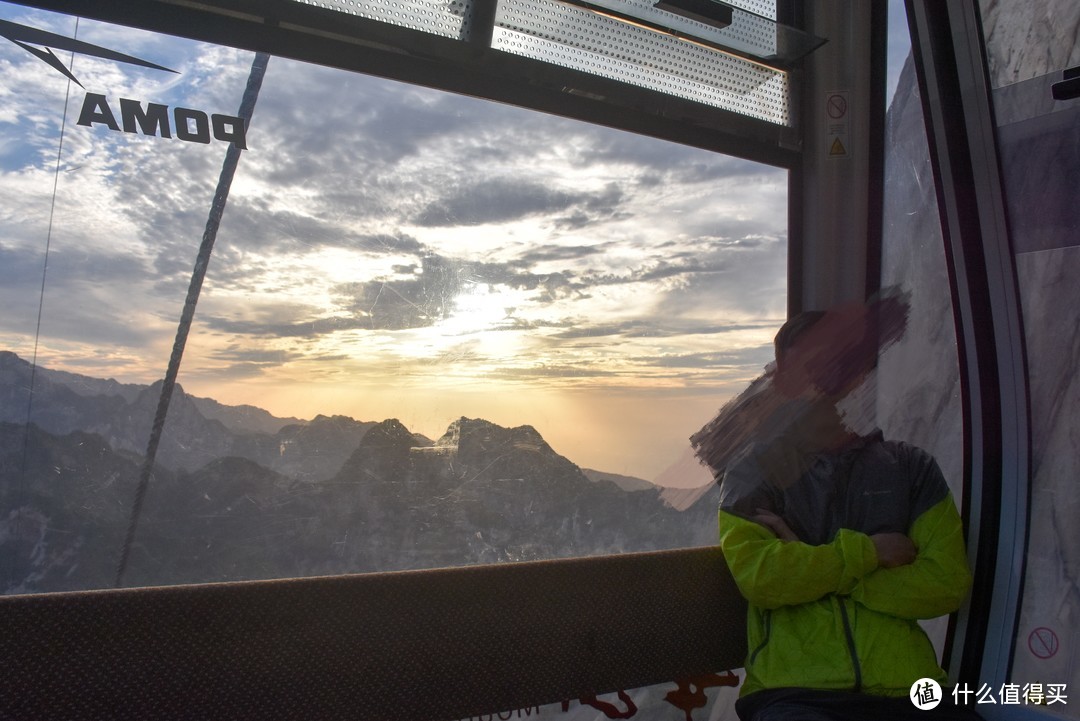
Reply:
x=434, y=331
x=1040, y=162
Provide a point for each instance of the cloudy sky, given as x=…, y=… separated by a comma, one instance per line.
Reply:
x=387, y=251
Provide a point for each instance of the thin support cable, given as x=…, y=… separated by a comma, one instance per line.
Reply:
x=21, y=494
x=217, y=208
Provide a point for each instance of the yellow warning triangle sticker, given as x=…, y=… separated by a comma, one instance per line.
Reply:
x=837, y=148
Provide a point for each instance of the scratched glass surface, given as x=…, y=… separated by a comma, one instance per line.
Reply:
x=1040, y=162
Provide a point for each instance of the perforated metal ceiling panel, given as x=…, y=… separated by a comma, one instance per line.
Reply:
x=449, y=18
x=580, y=39
x=764, y=8
x=748, y=33
x=577, y=38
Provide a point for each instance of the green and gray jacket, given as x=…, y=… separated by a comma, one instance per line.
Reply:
x=822, y=614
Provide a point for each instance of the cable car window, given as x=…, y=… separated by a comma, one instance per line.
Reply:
x=918, y=379
x=433, y=330
x=1040, y=159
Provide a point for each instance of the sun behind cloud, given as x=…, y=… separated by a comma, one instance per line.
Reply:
x=401, y=252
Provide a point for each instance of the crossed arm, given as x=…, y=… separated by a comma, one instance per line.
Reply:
x=921, y=575
x=893, y=549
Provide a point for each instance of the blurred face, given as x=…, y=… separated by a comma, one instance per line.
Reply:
x=829, y=359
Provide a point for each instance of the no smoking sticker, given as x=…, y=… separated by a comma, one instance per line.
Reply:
x=836, y=106
x=1043, y=642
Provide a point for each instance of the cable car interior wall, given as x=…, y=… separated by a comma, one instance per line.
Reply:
x=411, y=440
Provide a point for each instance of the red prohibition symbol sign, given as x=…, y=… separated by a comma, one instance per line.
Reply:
x=1043, y=642
x=837, y=106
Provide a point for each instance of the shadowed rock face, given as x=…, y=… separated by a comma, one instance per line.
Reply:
x=330, y=496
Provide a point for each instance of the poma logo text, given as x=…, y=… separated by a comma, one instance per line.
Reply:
x=191, y=125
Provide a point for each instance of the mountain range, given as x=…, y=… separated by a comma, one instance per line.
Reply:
x=240, y=494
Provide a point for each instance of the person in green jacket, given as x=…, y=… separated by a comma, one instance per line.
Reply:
x=840, y=543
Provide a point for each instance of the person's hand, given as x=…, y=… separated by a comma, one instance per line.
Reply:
x=775, y=524
x=893, y=549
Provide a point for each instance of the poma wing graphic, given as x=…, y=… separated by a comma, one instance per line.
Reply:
x=27, y=37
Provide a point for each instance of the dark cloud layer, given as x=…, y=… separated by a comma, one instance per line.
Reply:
x=422, y=299
x=755, y=357
x=650, y=328
x=297, y=329
x=494, y=201
x=550, y=253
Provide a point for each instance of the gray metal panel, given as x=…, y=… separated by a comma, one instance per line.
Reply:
x=836, y=108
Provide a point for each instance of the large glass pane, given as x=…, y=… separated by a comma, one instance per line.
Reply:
x=1028, y=46
x=434, y=330
x=918, y=399
x=918, y=379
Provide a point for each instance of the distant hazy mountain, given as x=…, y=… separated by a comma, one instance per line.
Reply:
x=294, y=503
x=243, y=418
x=627, y=483
x=196, y=432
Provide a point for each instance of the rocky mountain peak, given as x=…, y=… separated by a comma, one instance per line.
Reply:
x=475, y=436
x=7, y=358
x=336, y=419
x=389, y=435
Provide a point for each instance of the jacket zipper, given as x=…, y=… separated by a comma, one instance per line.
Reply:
x=765, y=639
x=851, y=645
